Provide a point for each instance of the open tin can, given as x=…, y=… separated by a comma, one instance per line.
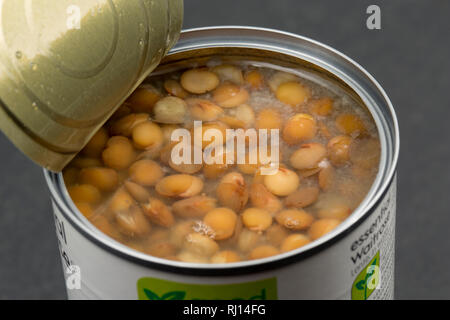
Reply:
x=354, y=261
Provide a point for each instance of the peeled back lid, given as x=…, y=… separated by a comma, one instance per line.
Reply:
x=67, y=65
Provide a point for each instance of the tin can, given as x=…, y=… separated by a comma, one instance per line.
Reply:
x=67, y=65
x=354, y=261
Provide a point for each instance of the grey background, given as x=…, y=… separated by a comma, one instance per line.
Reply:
x=410, y=57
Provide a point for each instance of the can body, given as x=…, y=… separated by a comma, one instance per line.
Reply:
x=67, y=65
x=355, y=261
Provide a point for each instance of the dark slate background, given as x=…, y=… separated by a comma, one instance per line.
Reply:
x=409, y=56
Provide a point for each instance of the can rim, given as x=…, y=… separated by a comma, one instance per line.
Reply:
x=379, y=188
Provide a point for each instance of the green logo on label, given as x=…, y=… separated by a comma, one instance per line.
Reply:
x=158, y=289
x=367, y=281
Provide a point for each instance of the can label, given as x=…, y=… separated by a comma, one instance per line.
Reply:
x=367, y=280
x=157, y=289
x=372, y=252
x=358, y=266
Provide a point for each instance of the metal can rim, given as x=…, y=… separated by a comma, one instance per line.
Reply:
x=188, y=40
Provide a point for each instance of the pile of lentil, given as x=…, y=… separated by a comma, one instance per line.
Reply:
x=126, y=184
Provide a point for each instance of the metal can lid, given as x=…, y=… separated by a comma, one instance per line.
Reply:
x=66, y=66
